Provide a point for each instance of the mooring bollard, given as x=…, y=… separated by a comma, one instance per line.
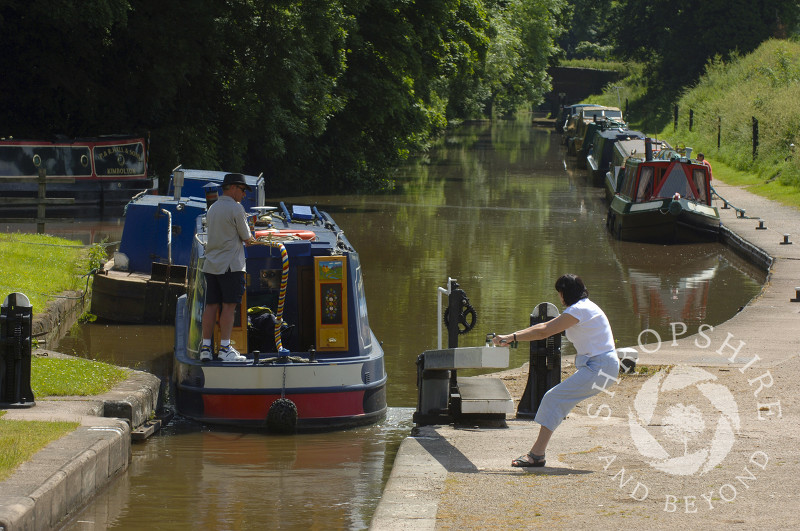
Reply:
x=16, y=316
x=761, y=225
x=544, y=371
x=786, y=240
x=796, y=295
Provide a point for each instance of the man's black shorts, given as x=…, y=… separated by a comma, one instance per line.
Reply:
x=227, y=287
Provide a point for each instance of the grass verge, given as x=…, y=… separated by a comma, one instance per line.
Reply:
x=39, y=265
x=73, y=376
x=20, y=439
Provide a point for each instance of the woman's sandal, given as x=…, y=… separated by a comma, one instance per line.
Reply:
x=528, y=460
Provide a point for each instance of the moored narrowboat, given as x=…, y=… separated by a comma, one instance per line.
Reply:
x=146, y=275
x=598, y=157
x=312, y=360
x=664, y=199
x=84, y=177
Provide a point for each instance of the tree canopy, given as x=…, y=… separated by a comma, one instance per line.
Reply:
x=323, y=95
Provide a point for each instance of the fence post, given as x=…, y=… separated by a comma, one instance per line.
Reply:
x=755, y=137
x=719, y=130
x=675, y=119
x=40, y=205
x=691, y=119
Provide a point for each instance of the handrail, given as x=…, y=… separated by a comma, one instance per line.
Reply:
x=739, y=211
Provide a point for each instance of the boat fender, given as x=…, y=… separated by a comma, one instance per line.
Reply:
x=675, y=207
x=282, y=416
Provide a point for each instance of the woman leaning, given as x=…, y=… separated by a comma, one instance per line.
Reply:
x=587, y=328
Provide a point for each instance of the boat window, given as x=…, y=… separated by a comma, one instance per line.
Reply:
x=365, y=336
x=676, y=182
x=699, y=176
x=645, y=189
x=613, y=114
x=629, y=181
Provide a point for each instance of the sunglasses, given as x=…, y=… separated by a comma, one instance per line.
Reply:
x=242, y=188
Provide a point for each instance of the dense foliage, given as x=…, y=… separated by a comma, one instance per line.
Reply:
x=674, y=38
x=328, y=94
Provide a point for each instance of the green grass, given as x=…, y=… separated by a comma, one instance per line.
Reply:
x=41, y=266
x=73, y=376
x=20, y=439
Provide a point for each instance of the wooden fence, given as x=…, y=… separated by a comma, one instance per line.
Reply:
x=41, y=200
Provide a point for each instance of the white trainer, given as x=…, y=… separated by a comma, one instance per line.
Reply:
x=230, y=354
x=205, y=353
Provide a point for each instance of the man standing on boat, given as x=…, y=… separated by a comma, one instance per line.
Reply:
x=702, y=159
x=224, y=266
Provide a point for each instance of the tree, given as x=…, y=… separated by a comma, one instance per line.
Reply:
x=678, y=37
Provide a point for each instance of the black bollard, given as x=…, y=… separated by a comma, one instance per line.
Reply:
x=16, y=316
x=544, y=371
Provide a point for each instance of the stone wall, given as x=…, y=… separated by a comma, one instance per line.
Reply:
x=59, y=315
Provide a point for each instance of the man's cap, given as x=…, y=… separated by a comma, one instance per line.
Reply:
x=235, y=178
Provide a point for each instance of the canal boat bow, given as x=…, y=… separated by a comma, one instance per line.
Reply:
x=312, y=360
x=664, y=198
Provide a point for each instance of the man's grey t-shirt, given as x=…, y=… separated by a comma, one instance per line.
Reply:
x=227, y=231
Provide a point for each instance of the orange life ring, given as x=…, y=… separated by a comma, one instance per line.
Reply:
x=283, y=233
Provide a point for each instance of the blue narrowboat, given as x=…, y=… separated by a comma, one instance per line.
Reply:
x=312, y=360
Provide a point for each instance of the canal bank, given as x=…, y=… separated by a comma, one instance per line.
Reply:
x=604, y=466
x=67, y=473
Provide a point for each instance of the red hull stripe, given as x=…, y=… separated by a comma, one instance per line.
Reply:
x=309, y=406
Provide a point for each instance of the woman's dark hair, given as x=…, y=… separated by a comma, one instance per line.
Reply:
x=572, y=288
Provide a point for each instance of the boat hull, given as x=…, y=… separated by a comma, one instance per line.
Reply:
x=327, y=395
x=663, y=221
x=123, y=297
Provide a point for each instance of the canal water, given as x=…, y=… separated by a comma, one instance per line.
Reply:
x=499, y=207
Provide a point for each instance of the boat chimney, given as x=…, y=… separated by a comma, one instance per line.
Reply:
x=648, y=149
x=688, y=153
x=177, y=183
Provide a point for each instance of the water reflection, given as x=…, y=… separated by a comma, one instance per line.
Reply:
x=192, y=477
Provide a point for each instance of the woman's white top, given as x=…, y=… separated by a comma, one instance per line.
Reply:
x=592, y=335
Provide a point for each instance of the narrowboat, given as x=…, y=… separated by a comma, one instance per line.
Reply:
x=664, y=198
x=566, y=112
x=577, y=125
x=598, y=157
x=312, y=360
x=148, y=272
x=621, y=151
x=84, y=177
